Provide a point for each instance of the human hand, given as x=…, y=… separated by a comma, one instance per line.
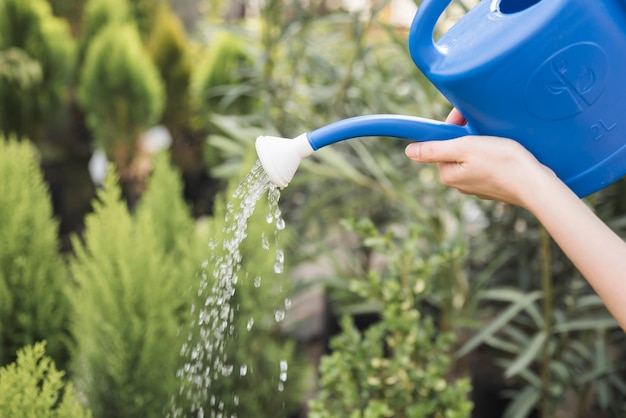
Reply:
x=489, y=167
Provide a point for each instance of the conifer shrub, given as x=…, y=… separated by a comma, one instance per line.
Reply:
x=168, y=47
x=122, y=95
x=33, y=387
x=33, y=276
x=97, y=15
x=120, y=88
x=133, y=276
x=30, y=26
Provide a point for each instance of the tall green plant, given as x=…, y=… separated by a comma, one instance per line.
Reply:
x=30, y=26
x=133, y=275
x=97, y=15
x=33, y=306
x=169, y=48
x=122, y=95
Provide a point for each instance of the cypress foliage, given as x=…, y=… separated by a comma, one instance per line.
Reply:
x=168, y=47
x=120, y=89
x=32, y=273
x=122, y=95
x=33, y=387
x=29, y=25
x=99, y=14
x=132, y=276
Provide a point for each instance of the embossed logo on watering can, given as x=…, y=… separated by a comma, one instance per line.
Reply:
x=569, y=82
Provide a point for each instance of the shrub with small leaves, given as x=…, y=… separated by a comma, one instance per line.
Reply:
x=32, y=387
x=399, y=366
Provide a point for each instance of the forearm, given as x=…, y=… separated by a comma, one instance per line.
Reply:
x=597, y=252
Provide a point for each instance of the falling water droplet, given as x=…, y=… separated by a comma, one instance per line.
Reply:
x=257, y=281
x=243, y=370
x=279, y=315
x=287, y=303
x=280, y=224
x=250, y=324
x=269, y=218
x=227, y=370
x=278, y=268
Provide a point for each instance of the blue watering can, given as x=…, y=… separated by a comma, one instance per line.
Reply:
x=550, y=74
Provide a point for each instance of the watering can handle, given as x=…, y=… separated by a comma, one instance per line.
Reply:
x=422, y=46
x=407, y=127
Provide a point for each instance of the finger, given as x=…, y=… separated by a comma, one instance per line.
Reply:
x=456, y=118
x=451, y=150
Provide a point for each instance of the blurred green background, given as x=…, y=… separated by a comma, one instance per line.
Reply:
x=125, y=126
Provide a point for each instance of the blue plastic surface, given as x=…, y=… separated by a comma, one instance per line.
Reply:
x=550, y=74
x=408, y=127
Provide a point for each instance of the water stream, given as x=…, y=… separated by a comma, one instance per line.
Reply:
x=205, y=359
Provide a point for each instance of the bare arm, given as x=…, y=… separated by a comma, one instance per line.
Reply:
x=501, y=169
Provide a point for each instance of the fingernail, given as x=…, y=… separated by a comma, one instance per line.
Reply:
x=412, y=150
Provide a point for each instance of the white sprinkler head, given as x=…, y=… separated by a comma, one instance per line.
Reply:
x=281, y=157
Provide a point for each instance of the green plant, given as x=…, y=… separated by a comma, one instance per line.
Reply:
x=133, y=276
x=33, y=277
x=17, y=68
x=554, y=341
x=32, y=387
x=97, y=15
x=399, y=366
x=169, y=48
x=222, y=81
x=122, y=95
x=30, y=26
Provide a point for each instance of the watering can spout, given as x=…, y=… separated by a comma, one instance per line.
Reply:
x=281, y=157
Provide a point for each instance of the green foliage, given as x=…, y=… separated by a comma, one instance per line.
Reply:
x=133, y=275
x=145, y=13
x=32, y=273
x=98, y=14
x=165, y=211
x=17, y=68
x=30, y=26
x=120, y=90
x=553, y=349
x=221, y=82
x=169, y=48
x=398, y=367
x=32, y=387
